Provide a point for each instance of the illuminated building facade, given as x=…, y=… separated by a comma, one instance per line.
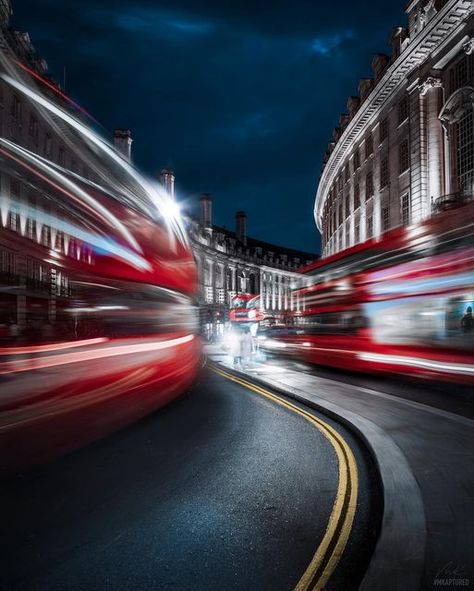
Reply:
x=406, y=146
x=231, y=263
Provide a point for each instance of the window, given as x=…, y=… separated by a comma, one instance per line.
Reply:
x=15, y=187
x=459, y=75
x=422, y=321
x=16, y=109
x=30, y=228
x=370, y=226
x=340, y=212
x=356, y=234
x=403, y=157
x=465, y=151
x=356, y=196
x=48, y=145
x=369, y=185
x=36, y=274
x=406, y=209
x=385, y=219
x=369, y=145
x=384, y=173
x=45, y=236
x=61, y=157
x=403, y=110
x=356, y=160
x=340, y=182
x=383, y=129
x=33, y=129
x=347, y=173
x=8, y=263
x=14, y=218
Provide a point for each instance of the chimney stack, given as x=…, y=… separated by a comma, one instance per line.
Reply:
x=167, y=180
x=206, y=210
x=123, y=143
x=241, y=226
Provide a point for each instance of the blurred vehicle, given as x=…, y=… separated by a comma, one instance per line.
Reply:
x=400, y=304
x=97, y=283
x=244, y=309
x=271, y=337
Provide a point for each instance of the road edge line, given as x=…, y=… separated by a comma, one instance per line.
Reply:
x=398, y=559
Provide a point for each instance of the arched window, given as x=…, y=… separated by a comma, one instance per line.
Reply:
x=457, y=117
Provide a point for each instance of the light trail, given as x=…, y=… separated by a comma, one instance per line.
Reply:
x=458, y=368
x=52, y=347
x=82, y=356
x=70, y=189
x=162, y=203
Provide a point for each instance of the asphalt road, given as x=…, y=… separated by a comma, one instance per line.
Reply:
x=223, y=489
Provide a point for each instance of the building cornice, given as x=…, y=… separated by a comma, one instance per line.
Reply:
x=447, y=22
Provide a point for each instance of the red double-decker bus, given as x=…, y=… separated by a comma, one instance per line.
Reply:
x=400, y=304
x=97, y=283
x=245, y=308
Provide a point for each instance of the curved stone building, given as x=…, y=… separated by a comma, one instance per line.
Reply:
x=406, y=146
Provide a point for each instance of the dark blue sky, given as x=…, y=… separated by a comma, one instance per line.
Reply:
x=239, y=97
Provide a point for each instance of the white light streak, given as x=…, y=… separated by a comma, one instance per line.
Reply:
x=155, y=194
x=458, y=368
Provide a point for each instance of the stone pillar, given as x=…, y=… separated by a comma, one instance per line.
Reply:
x=210, y=280
x=377, y=215
x=431, y=94
x=274, y=292
x=449, y=177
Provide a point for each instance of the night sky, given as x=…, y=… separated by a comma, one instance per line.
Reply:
x=238, y=97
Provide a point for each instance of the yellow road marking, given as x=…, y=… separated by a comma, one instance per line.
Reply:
x=343, y=511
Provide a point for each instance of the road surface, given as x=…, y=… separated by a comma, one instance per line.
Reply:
x=226, y=488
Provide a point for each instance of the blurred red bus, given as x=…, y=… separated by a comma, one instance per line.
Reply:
x=98, y=325
x=400, y=304
x=245, y=308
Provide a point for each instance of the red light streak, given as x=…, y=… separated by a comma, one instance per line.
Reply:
x=77, y=357
x=51, y=347
x=56, y=90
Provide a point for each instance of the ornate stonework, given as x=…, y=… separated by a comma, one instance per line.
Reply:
x=392, y=159
x=469, y=46
x=430, y=82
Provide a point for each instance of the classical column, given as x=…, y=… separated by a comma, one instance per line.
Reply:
x=274, y=292
x=211, y=280
x=431, y=92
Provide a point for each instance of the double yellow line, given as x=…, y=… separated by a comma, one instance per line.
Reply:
x=340, y=522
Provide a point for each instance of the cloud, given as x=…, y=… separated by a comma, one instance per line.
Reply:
x=325, y=44
x=238, y=97
x=163, y=24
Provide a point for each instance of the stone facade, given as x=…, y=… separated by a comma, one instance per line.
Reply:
x=406, y=146
x=231, y=263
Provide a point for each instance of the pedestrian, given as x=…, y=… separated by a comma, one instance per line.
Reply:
x=236, y=346
x=467, y=321
x=247, y=347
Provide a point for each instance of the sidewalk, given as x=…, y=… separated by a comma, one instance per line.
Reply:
x=425, y=460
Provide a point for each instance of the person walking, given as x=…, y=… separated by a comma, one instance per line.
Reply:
x=236, y=346
x=247, y=347
x=467, y=321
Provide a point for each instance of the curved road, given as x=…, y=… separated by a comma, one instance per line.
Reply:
x=227, y=488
